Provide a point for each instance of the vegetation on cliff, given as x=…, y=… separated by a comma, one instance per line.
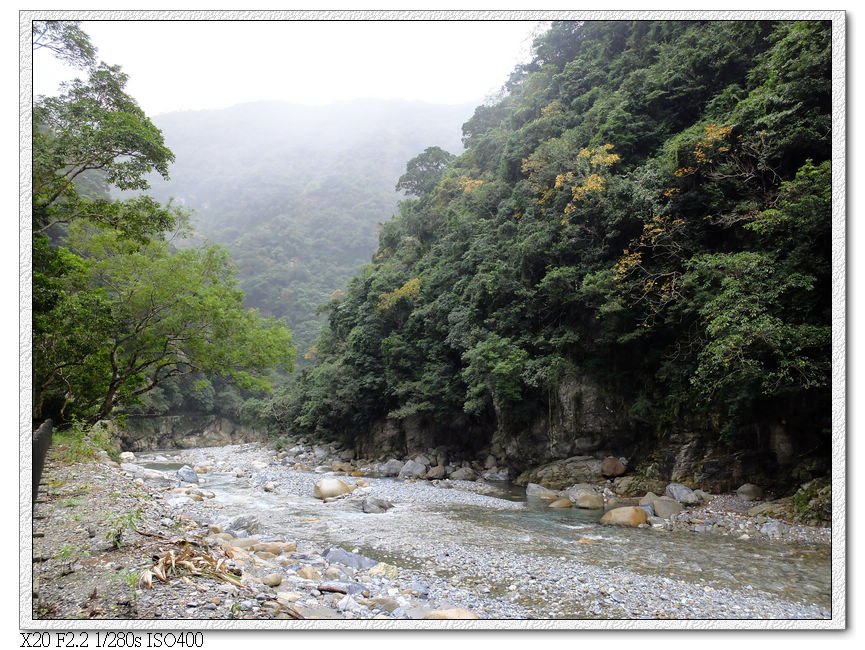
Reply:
x=646, y=207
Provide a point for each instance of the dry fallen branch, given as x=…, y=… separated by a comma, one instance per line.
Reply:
x=189, y=560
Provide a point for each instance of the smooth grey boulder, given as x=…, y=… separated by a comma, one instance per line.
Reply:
x=187, y=474
x=682, y=493
x=373, y=505
x=412, y=469
x=391, y=467
x=354, y=560
x=463, y=474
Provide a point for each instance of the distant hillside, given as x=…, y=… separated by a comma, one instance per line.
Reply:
x=296, y=193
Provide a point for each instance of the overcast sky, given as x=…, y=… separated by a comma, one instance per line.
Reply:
x=175, y=65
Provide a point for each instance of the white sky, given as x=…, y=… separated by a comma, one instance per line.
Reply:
x=174, y=65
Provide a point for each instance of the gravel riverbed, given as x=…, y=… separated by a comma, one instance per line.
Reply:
x=259, y=546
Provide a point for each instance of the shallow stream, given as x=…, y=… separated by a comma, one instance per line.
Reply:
x=429, y=536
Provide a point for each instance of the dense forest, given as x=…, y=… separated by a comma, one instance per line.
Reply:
x=633, y=247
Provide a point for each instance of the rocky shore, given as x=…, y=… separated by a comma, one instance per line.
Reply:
x=122, y=541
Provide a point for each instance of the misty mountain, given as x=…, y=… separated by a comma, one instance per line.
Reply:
x=295, y=192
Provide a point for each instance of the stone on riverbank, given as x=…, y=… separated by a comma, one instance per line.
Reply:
x=372, y=505
x=540, y=492
x=682, y=493
x=354, y=560
x=463, y=474
x=328, y=488
x=612, y=467
x=452, y=614
x=750, y=492
x=560, y=474
x=187, y=475
x=391, y=467
x=588, y=500
x=560, y=503
x=631, y=516
x=412, y=469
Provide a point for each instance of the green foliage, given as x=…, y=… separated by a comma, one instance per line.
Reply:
x=647, y=206
x=81, y=443
x=118, y=311
x=120, y=524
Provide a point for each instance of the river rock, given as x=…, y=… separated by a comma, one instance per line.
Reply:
x=422, y=460
x=308, y=572
x=750, y=492
x=562, y=473
x=187, y=474
x=327, y=488
x=452, y=614
x=540, y=492
x=682, y=493
x=437, y=472
x=588, y=500
x=412, y=469
x=665, y=507
x=373, y=505
x=560, y=503
x=341, y=466
x=490, y=462
x=270, y=486
x=463, y=474
x=384, y=569
x=496, y=474
x=631, y=516
x=354, y=560
x=127, y=456
x=612, y=467
x=341, y=587
x=249, y=523
x=272, y=580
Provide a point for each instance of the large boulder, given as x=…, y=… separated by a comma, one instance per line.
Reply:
x=612, y=467
x=437, y=472
x=391, y=467
x=463, y=474
x=187, y=474
x=540, y=492
x=682, y=493
x=372, y=505
x=346, y=558
x=560, y=503
x=631, y=516
x=327, y=488
x=588, y=499
x=750, y=492
x=412, y=469
x=561, y=473
x=666, y=507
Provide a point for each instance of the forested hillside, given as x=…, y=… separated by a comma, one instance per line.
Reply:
x=633, y=251
x=123, y=309
x=296, y=193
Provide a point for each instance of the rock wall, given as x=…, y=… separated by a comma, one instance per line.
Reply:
x=580, y=419
x=148, y=433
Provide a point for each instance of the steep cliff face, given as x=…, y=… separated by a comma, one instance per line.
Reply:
x=143, y=433
x=581, y=419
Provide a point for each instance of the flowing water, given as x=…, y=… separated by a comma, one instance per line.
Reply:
x=428, y=536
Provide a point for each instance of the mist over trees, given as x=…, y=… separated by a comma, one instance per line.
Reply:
x=297, y=193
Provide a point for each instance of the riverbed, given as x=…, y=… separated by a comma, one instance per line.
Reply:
x=486, y=548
